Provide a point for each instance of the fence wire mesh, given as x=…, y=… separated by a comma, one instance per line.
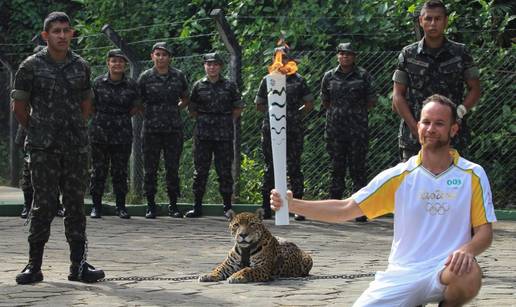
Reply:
x=492, y=123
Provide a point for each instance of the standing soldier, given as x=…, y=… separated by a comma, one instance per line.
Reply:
x=164, y=90
x=26, y=182
x=214, y=102
x=111, y=132
x=347, y=93
x=434, y=65
x=299, y=102
x=52, y=101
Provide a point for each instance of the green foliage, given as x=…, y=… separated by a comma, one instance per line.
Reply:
x=251, y=175
x=313, y=25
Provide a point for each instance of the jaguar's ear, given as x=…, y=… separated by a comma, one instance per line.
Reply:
x=259, y=213
x=231, y=215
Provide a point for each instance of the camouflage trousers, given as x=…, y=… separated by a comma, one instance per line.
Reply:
x=52, y=172
x=294, y=174
x=102, y=157
x=222, y=154
x=171, y=144
x=347, y=154
x=26, y=182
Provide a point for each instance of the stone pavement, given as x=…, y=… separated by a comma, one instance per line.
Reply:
x=168, y=247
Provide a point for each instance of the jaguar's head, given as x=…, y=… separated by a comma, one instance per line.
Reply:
x=247, y=228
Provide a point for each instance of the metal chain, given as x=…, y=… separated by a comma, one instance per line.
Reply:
x=186, y=278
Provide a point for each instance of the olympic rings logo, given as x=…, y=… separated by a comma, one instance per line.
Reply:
x=437, y=208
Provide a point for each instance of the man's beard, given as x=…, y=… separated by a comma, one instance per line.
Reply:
x=438, y=144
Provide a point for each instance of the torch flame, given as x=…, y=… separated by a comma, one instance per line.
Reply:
x=288, y=68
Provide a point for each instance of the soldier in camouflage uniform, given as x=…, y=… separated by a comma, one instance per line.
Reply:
x=347, y=92
x=434, y=65
x=214, y=102
x=52, y=101
x=164, y=90
x=299, y=102
x=26, y=183
x=111, y=132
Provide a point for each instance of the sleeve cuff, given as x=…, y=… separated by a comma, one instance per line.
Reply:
x=238, y=104
x=308, y=98
x=400, y=77
x=260, y=100
x=471, y=73
x=20, y=95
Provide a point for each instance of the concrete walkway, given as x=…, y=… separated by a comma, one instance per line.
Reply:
x=169, y=248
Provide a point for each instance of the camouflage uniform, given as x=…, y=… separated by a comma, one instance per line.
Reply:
x=426, y=72
x=25, y=182
x=56, y=140
x=213, y=135
x=297, y=94
x=346, y=125
x=111, y=133
x=162, y=127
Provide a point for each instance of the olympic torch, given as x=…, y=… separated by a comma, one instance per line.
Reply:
x=277, y=102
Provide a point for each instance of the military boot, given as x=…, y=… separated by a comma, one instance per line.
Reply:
x=227, y=205
x=80, y=270
x=173, y=210
x=27, y=204
x=32, y=271
x=121, y=210
x=96, y=209
x=197, y=208
x=151, y=208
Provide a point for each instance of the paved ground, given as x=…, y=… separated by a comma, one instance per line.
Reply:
x=168, y=247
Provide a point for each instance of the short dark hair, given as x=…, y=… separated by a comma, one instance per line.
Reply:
x=55, y=17
x=434, y=4
x=445, y=101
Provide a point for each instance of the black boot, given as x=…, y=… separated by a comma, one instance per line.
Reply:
x=60, y=210
x=96, y=209
x=227, y=205
x=197, y=208
x=121, y=210
x=32, y=271
x=80, y=270
x=27, y=204
x=151, y=207
x=173, y=210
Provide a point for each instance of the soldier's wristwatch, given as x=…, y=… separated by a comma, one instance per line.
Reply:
x=461, y=111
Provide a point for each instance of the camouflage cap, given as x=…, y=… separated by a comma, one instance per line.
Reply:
x=162, y=46
x=213, y=57
x=345, y=47
x=117, y=53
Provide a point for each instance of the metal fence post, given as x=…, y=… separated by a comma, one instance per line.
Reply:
x=137, y=120
x=14, y=152
x=235, y=66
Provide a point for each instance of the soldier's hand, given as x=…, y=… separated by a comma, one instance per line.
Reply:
x=193, y=114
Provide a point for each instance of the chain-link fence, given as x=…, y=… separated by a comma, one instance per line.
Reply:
x=492, y=124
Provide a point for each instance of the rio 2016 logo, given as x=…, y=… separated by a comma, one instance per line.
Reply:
x=455, y=182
